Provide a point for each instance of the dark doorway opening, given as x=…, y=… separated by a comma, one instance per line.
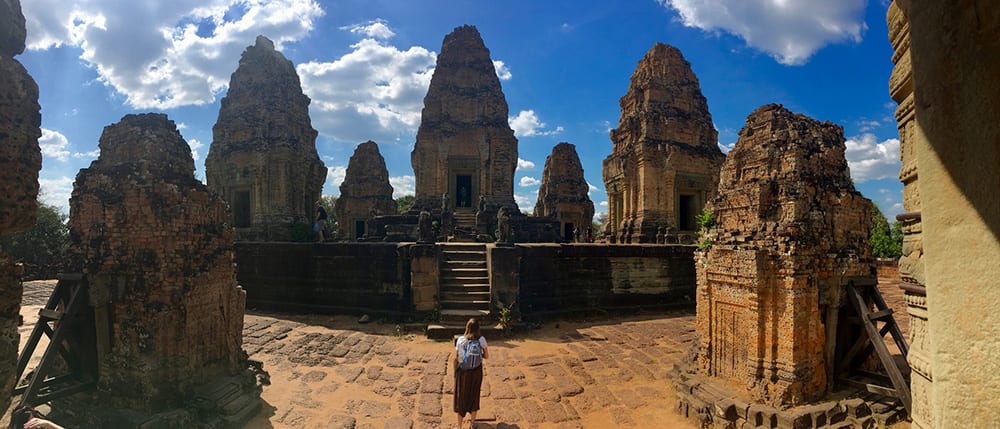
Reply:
x=686, y=213
x=241, y=209
x=359, y=228
x=463, y=190
x=568, y=231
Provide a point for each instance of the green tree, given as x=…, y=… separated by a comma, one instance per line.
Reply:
x=405, y=203
x=43, y=248
x=886, y=240
x=329, y=202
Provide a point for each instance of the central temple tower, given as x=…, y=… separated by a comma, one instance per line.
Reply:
x=465, y=147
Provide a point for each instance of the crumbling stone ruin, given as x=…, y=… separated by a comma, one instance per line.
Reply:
x=365, y=191
x=263, y=158
x=156, y=250
x=564, y=192
x=20, y=161
x=465, y=147
x=664, y=165
x=790, y=231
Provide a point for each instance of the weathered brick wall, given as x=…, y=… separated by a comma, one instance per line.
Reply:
x=156, y=249
x=790, y=231
x=339, y=277
x=568, y=277
x=20, y=161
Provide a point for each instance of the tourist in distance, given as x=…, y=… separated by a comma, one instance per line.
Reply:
x=470, y=350
x=320, y=219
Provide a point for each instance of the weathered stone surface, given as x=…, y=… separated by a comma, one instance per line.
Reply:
x=365, y=191
x=12, y=28
x=154, y=246
x=564, y=193
x=263, y=158
x=20, y=161
x=911, y=263
x=955, y=54
x=465, y=147
x=664, y=165
x=790, y=231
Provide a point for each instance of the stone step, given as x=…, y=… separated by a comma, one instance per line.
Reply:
x=460, y=316
x=464, y=295
x=464, y=247
x=464, y=271
x=449, y=331
x=466, y=264
x=463, y=256
x=465, y=288
x=465, y=305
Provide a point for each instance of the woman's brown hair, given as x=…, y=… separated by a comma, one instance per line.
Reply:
x=472, y=329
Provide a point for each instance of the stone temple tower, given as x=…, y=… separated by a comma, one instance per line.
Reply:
x=263, y=158
x=465, y=147
x=664, y=165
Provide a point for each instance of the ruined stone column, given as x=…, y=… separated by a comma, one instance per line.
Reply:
x=790, y=231
x=366, y=189
x=665, y=155
x=156, y=249
x=20, y=161
x=911, y=264
x=564, y=192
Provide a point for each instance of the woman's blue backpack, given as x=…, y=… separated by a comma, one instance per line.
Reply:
x=471, y=355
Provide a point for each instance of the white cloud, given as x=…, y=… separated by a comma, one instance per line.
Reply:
x=788, y=30
x=375, y=91
x=54, y=145
x=335, y=176
x=526, y=202
x=503, y=72
x=88, y=155
x=591, y=189
x=527, y=124
x=403, y=186
x=178, y=53
x=725, y=148
x=603, y=203
x=528, y=182
x=866, y=125
x=378, y=29
x=56, y=191
x=523, y=164
x=870, y=159
x=195, y=145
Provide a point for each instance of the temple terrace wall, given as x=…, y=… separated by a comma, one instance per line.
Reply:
x=381, y=278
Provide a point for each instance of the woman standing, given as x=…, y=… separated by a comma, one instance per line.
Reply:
x=470, y=350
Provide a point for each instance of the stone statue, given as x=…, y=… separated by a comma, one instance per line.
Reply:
x=372, y=212
x=445, y=204
x=482, y=204
x=504, y=235
x=425, y=228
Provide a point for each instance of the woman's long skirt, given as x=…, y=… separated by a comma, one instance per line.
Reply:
x=467, y=386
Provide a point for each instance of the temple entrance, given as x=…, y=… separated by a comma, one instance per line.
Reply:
x=463, y=190
x=568, y=232
x=241, y=209
x=686, y=213
x=359, y=228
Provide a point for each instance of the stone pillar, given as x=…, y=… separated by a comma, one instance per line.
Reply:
x=955, y=55
x=505, y=277
x=911, y=264
x=790, y=231
x=425, y=276
x=157, y=250
x=20, y=161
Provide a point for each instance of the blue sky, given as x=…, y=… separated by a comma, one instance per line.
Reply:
x=366, y=65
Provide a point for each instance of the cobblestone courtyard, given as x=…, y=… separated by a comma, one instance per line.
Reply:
x=331, y=372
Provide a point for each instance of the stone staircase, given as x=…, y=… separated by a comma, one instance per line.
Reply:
x=465, y=218
x=464, y=288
